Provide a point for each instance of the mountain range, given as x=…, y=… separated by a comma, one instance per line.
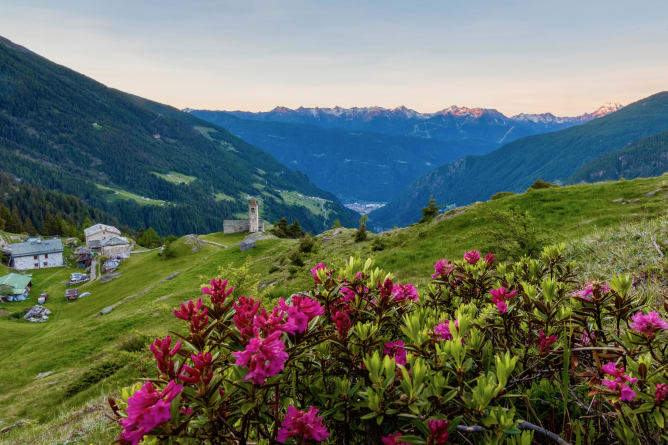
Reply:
x=143, y=162
x=373, y=153
x=556, y=157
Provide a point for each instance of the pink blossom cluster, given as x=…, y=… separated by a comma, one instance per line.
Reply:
x=438, y=431
x=193, y=313
x=499, y=298
x=163, y=353
x=472, y=257
x=621, y=382
x=660, y=393
x=404, y=292
x=202, y=371
x=218, y=291
x=264, y=353
x=396, y=350
x=392, y=439
x=314, y=272
x=265, y=357
x=588, y=292
x=648, y=324
x=545, y=342
x=302, y=425
x=442, y=330
x=147, y=408
x=442, y=269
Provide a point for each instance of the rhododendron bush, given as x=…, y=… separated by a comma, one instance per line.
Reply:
x=486, y=353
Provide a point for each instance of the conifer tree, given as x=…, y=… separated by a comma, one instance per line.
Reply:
x=361, y=235
x=29, y=227
x=280, y=228
x=13, y=225
x=295, y=230
x=5, y=215
x=337, y=224
x=150, y=238
x=429, y=212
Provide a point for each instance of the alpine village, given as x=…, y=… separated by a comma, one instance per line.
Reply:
x=209, y=272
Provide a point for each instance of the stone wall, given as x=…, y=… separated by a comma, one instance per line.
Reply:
x=235, y=225
x=240, y=225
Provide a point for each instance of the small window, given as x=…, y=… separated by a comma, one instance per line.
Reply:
x=45, y=264
x=46, y=255
x=35, y=257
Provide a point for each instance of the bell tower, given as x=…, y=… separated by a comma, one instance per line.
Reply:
x=253, y=216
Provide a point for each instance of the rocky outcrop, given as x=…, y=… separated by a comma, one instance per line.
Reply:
x=37, y=314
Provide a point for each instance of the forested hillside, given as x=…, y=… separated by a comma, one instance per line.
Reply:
x=34, y=210
x=145, y=163
x=643, y=158
x=552, y=157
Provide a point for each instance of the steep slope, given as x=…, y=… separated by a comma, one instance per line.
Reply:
x=515, y=166
x=643, y=158
x=62, y=130
x=350, y=164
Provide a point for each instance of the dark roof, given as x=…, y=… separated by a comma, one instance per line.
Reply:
x=36, y=247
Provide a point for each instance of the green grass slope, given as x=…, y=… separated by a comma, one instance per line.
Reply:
x=643, y=158
x=552, y=157
x=62, y=130
x=80, y=347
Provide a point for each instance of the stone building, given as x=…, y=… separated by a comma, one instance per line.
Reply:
x=106, y=241
x=251, y=225
x=37, y=254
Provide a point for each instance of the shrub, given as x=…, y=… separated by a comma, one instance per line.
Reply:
x=540, y=184
x=135, y=343
x=378, y=244
x=307, y=244
x=296, y=259
x=95, y=374
x=514, y=233
x=500, y=195
x=363, y=359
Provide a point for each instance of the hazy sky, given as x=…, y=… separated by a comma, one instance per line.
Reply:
x=566, y=57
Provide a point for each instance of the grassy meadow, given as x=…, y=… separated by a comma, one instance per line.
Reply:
x=90, y=356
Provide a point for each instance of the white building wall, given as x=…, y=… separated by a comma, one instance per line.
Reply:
x=102, y=235
x=42, y=261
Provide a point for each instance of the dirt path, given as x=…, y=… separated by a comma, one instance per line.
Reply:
x=213, y=243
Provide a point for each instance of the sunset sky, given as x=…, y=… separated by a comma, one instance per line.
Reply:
x=565, y=57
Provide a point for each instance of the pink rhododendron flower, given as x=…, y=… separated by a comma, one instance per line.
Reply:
x=660, y=392
x=315, y=270
x=442, y=268
x=302, y=310
x=194, y=313
x=202, y=370
x=347, y=295
x=545, y=342
x=302, y=425
x=404, y=292
x=392, y=439
x=499, y=298
x=587, y=337
x=443, y=329
x=648, y=324
x=396, y=350
x=588, y=292
x=269, y=322
x=489, y=258
x=147, y=408
x=264, y=357
x=438, y=431
x=244, y=316
x=620, y=384
x=218, y=290
x=472, y=257
x=386, y=288
x=163, y=355
x=342, y=322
